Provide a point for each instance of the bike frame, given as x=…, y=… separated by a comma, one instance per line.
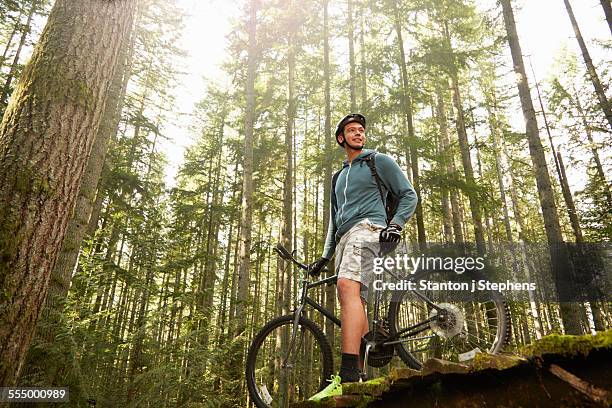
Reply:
x=304, y=300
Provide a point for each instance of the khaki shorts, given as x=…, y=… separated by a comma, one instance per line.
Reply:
x=355, y=253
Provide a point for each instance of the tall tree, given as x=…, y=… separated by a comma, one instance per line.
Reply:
x=38, y=185
x=363, y=72
x=330, y=296
x=408, y=113
x=284, y=289
x=567, y=194
x=570, y=312
x=604, y=103
x=75, y=231
x=464, y=146
x=448, y=161
x=351, y=41
x=247, y=166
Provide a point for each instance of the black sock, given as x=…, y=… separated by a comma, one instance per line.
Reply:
x=349, y=368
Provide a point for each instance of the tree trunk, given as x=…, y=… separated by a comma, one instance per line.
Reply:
x=569, y=200
x=212, y=246
x=467, y=164
x=363, y=70
x=24, y=35
x=246, y=219
x=599, y=90
x=330, y=292
x=412, y=139
x=351, y=40
x=55, y=114
x=589, y=135
x=561, y=264
x=499, y=171
x=449, y=160
x=284, y=294
x=567, y=195
x=135, y=360
x=465, y=148
x=228, y=315
x=67, y=258
x=608, y=12
x=526, y=262
x=447, y=221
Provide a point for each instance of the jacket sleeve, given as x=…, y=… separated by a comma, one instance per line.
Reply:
x=394, y=179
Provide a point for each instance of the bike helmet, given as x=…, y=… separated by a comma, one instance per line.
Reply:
x=351, y=117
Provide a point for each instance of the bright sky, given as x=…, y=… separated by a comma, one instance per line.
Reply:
x=206, y=26
x=543, y=27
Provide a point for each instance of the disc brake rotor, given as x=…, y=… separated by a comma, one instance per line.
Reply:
x=451, y=325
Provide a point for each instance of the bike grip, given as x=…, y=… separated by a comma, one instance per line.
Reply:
x=279, y=253
x=282, y=251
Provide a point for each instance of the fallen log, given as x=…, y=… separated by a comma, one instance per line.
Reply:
x=556, y=371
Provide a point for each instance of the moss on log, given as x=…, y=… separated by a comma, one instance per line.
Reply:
x=568, y=345
x=509, y=380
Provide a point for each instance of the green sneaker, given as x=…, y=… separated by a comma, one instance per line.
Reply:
x=334, y=388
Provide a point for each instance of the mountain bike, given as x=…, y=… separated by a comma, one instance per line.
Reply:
x=290, y=358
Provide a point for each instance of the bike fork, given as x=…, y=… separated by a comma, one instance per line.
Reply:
x=296, y=320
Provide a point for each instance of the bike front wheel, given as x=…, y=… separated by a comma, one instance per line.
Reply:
x=283, y=368
x=473, y=322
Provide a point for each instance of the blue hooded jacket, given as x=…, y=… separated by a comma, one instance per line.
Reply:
x=358, y=198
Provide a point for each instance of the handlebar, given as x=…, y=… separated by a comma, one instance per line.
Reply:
x=284, y=253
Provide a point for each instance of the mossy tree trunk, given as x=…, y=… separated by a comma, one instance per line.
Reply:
x=45, y=141
x=75, y=231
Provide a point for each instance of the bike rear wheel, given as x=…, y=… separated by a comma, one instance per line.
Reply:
x=477, y=322
x=278, y=374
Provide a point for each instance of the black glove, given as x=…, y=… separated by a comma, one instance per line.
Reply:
x=393, y=233
x=314, y=269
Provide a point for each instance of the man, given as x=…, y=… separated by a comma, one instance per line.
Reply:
x=358, y=216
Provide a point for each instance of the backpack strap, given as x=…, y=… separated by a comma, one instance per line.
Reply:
x=334, y=201
x=371, y=161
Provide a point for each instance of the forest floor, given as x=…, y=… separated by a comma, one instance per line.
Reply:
x=555, y=371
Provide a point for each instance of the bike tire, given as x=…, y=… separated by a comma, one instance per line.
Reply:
x=300, y=383
x=405, y=305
